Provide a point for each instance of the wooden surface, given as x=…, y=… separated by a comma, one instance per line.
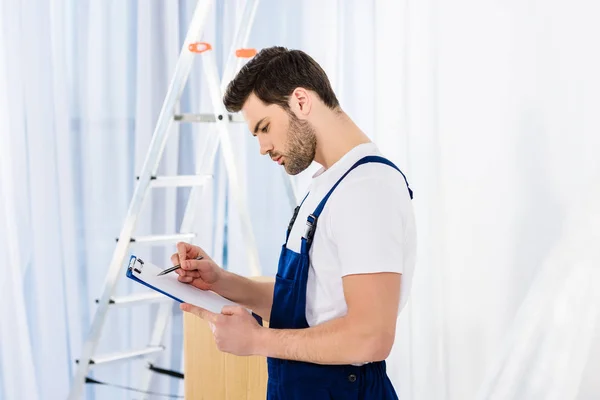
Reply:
x=213, y=375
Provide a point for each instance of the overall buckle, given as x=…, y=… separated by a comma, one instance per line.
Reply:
x=311, y=226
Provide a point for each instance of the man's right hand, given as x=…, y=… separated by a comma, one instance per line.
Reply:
x=203, y=274
x=206, y=275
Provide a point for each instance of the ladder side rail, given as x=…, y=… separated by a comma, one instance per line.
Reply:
x=151, y=162
x=243, y=31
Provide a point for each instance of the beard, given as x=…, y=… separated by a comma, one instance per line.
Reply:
x=301, y=145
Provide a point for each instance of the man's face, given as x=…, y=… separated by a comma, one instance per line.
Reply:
x=286, y=139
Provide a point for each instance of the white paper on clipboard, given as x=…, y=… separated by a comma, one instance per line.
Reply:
x=145, y=273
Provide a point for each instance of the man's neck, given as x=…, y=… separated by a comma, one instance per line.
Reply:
x=336, y=134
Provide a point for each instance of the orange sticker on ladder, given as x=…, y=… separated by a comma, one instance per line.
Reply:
x=199, y=47
x=245, y=53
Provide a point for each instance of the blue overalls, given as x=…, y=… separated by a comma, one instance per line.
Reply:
x=294, y=380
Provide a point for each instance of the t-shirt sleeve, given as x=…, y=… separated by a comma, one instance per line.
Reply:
x=367, y=226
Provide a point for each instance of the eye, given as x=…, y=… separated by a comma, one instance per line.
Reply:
x=265, y=129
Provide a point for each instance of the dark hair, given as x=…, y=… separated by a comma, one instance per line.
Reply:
x=273, y=74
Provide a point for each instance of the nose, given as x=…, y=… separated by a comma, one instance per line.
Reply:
x=265, y=146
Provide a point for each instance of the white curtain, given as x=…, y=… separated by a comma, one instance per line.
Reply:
x=81, y=85
x=495, y=98
x=487, y=106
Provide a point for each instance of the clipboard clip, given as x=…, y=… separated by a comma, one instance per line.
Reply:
x=136, y=264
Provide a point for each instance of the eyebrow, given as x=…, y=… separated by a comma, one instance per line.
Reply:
x=257, y=125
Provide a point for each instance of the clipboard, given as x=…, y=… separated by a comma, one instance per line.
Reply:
x=145, y=273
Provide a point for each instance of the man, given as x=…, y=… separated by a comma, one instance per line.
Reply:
x=346, y=268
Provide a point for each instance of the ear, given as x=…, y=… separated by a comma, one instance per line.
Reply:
x=301, y=102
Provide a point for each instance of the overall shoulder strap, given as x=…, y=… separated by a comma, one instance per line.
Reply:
x=311, y=221
x=291, y=224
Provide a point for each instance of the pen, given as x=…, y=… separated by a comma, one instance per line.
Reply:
x=166, y=271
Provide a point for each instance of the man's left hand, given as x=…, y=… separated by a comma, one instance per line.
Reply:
x=235, y=330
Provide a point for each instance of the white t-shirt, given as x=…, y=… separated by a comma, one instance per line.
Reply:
x=367, y=226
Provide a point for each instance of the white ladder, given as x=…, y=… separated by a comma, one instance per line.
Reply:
x=203, y=175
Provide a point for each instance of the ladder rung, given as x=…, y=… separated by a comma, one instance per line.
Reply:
x=180, y=180
x=177, y=237
x=125, y=355
x=136, y=299
x=206, y=118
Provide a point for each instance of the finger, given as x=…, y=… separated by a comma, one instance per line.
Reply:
x=231, y=310
x=185, y=279
x=182, y=252
x=175, y=259
x=200, y=312
x=182, y=272
x=193, y=265
x=191, y=274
